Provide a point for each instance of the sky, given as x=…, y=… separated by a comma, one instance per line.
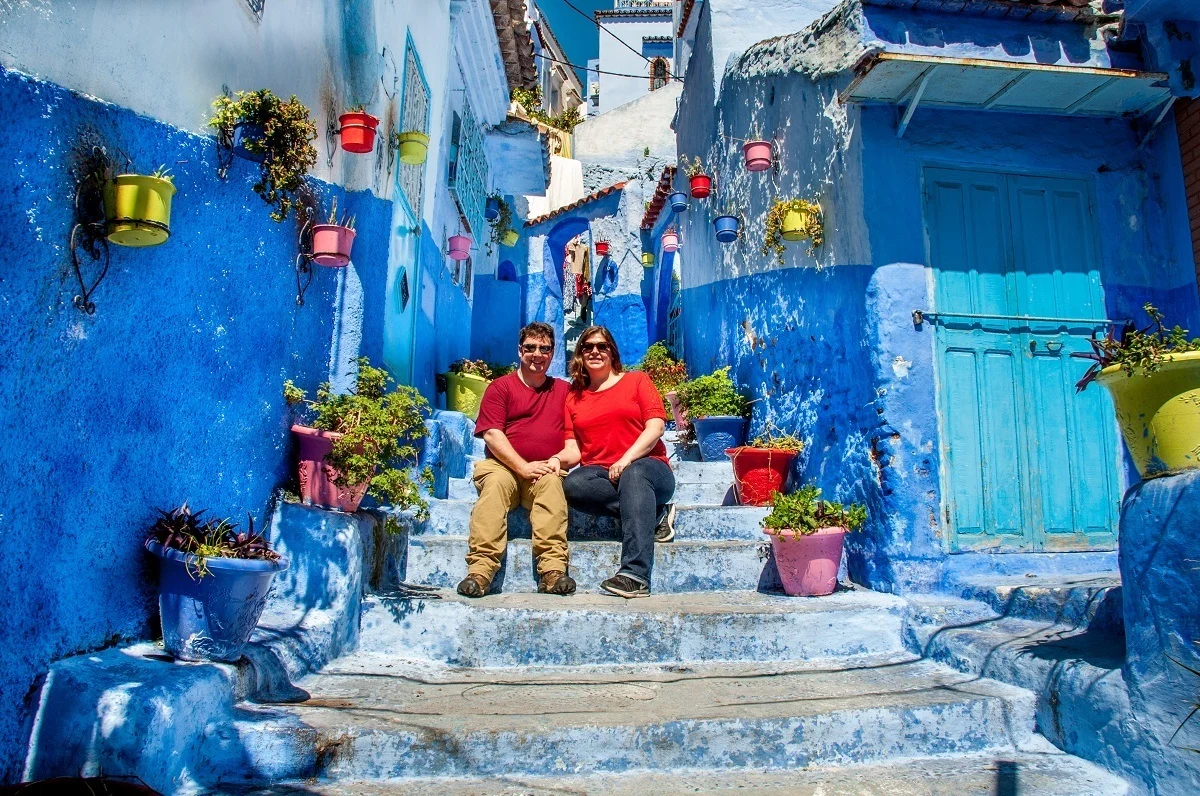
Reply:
x=576, y=33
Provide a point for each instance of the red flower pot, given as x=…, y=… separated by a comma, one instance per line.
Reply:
x=358, y=132
x=317, y=485
x=701, y=186
x=758, y=472
x=808, y=565
x=758, y=155
x=601, y=248
x=460, y=247
x=332, y=244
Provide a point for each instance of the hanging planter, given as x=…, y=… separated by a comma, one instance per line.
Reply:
x=792, y=220
x=333, y=240
x=648, y=259
x=248, y=132
x=137, y=209
x=510, y=238
x=806, y=536
x=460, y=247
x=602, y=248
x=413, y=147
x=701, y=185
x=358, y=131
x=727, y=228
x=759, y=155
x=491, y=211
x=679, y=201
x=670, y=240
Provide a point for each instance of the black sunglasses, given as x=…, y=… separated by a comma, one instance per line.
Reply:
x=533, y=348
x=601, y=347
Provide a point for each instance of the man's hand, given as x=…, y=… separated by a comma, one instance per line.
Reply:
x=614, y=472
x=532, y=471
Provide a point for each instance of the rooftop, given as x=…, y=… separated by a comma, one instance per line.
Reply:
x=600, y=194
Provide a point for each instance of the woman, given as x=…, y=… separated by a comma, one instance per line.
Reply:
x=616, y=419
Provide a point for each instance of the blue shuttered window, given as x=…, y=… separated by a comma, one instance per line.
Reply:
x=467, y=173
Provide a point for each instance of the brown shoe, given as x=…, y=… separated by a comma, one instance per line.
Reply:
x=556, y=583
x=474, y=586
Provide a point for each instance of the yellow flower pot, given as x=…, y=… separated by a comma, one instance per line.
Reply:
x=794, y=224
x=464, y=391
x=413, y=148
x=510, y=237
x=137, y=210
x=1159, y=414
x=648, y=259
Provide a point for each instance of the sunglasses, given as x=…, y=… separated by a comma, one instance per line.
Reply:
x=532, y=348
x=600, y=347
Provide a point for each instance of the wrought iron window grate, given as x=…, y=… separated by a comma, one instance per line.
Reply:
x=414, y=117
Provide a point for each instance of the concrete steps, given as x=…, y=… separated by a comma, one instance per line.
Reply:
x=586, y=629
x=1092, y=599
x=375, y=717
x=1043, y=770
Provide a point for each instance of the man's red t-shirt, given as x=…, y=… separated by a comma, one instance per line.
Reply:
x=608, y=422
x=531, y=419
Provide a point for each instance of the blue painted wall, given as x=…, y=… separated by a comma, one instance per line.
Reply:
x=496, y=320
x=170, y=392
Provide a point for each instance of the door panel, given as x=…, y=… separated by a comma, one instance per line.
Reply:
x=1029, y=463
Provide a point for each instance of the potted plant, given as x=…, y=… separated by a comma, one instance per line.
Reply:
x=491, y=210
x=727, y=225
x=137, y=208
x=460, y=247
x=359, y=443
x=666, y=373
x=761, y=467
x=602, y=247
x=213, y=583
x=679, y=201
x=699, y=182
x=648, y=259
x=1154, y=377
x=278, y=134
x=333, y=240
x=790, y=220
x=758, y=153
x=717, y=412
x=465, y=383
x=670, y=239
x=501, y=223
x=806, y=536
x=414, y=145
x=357, y=128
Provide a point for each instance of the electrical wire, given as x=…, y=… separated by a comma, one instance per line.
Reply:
x=599, y=71
x=593, y=20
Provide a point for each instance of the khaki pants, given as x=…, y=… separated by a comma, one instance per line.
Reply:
x=501, y=490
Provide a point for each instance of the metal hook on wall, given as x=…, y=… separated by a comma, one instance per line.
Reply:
x=304, y=265
x=89, y=231
x=331, y=133
x=395, y=76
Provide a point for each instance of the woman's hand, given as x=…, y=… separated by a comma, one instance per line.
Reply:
x=614, y=472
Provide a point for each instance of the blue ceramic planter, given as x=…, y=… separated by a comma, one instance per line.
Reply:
x=242, y=133
x=491, y=211
x=679, y=201
x=727, y=228
x=715, y=434
x=210, y=618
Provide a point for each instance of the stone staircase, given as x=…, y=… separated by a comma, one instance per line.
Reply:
x=715, y=683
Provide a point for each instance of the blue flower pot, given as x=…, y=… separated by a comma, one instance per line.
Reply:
x=727, y=228
x=491, y=211
x=210, y=618
x=715, y=434
x=679, y=201
x=247, y=132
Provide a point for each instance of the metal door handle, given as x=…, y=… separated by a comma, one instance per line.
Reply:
x=1051, y=345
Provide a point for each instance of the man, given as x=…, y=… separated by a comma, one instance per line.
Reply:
x=521, y=421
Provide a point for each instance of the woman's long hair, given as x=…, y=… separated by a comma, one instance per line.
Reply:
x=578, y=371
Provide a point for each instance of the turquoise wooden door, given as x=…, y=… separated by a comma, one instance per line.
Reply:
x=1028, y=464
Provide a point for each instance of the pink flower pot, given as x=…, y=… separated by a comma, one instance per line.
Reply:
x=317, y=478
x=670, y=242
x=460, y=247
x=358, y=132
x=701, y=186
x=808, y=565
x=332, y=244
x=759, y=472
x=677, y=411
x=758, y=155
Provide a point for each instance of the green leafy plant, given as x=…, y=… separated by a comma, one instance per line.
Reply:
x=530, y=100
x=664, y=370
x=1137, y=351
x=803, y=513
x=770, y=439
x=190, y=532
x=692, y=168
x=499, y=370
x=164, y=173
x=473, y=367
x=811, y=227
x=712, y=396
x=346, y=221
x=504, y=221
x=286, y=143
x=378, y=428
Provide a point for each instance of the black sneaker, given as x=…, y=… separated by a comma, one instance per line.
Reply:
x=665, y=530
x=625, y=586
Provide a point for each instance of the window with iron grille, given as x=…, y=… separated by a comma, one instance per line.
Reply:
x=467, y=271
x=467, y=174
x=414, y=117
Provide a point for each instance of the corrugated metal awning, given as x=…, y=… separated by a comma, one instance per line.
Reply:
x=898, y=79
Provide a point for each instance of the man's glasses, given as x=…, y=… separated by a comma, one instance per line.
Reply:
x=531, y=348
x=600, y=347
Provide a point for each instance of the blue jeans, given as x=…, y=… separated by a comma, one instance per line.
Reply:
x=637, y=499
